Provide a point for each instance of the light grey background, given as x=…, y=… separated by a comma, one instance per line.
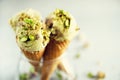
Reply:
x=99, y=21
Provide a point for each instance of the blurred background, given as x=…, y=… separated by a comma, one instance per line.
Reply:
x=95, y=48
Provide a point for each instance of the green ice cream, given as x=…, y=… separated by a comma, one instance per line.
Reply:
x=31, y=34
x=62, y=25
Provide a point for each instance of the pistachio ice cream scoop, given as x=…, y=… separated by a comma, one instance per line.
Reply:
x=62, y=25
x=30, y=30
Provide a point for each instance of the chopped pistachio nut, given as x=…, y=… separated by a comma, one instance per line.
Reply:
x=62, y=15
x=100, y=74
x=59, y=75
x=32, y=70
x=57, y=11
x=90, y=75
x=25, y=28
x=67, y=23
x=24, y=76
x=29, y=21
x=61, y=11
x=63, y=18
x=31, y=37
x=77, y=29
x=24, y=38
x=77, y=55
x=85, y=45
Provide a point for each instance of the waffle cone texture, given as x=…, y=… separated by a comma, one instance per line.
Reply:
x=53, y=51
x=33, y=56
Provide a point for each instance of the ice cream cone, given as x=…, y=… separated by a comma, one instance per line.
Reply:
x=53, y=52
x=63, y=28
x=48, y=68
x=34, y=58
x=62, y=67
x=31, y=35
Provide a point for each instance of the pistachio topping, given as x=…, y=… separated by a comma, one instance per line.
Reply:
x=31, y=37
x=62, y=15
x=77, y=29
x=29, y=21
x=25, y=28
x=23, y=39
x=67, y=23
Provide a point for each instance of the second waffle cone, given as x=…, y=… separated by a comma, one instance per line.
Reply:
x=53, y=51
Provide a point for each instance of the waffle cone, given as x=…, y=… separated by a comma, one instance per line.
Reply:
x=34, y=57
x=53, y=51
x=63, y=67
x=48, y=68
